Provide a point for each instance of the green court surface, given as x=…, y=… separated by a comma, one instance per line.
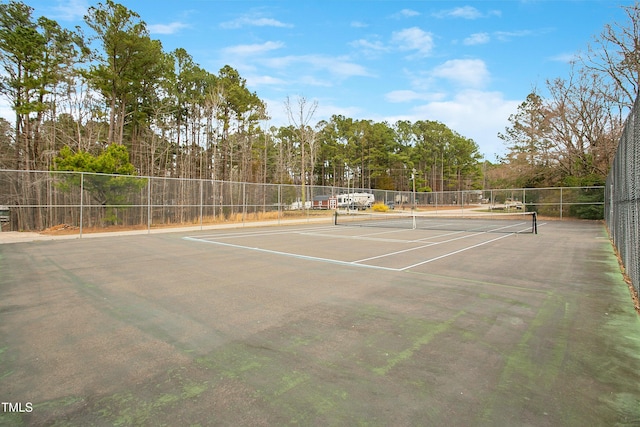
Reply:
x=316, y=324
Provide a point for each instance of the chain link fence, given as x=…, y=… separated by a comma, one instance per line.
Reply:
x=623, y=198
x=37, y=201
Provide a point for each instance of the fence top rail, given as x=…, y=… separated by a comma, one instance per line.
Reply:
x=295, y=185
x=136, y=176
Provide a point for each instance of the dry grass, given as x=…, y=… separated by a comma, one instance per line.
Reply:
x=236, y=218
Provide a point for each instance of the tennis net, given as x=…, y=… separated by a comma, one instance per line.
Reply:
x=517, y=222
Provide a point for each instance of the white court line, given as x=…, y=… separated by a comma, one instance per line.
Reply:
x=439, y=227
x=261, y=233
x=461, y=250
x=397, y=230
x=442, y=242
x=362, y=237
x=307, y=257
x=304, y=232
x=455, y=252
x=416, y=248
x=357, y=263
x=437, y=236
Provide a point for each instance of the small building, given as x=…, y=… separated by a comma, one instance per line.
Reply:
x=5, y=215
x=325, y=202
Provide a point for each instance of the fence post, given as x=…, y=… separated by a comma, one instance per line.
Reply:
x=201, y=201
x=81, y=200
x=244, y=201
x=149, y=205
x=436, y=202
x=214, y=195
x=610, y=201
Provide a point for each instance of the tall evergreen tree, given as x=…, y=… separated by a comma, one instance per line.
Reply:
x=36, y=57
x=123, y=55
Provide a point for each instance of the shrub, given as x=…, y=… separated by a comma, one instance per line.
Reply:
x=380, y=207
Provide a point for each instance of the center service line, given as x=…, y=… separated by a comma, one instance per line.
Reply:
x=418, y=247
x=454, y=252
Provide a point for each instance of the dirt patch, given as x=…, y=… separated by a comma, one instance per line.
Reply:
x=66, y=229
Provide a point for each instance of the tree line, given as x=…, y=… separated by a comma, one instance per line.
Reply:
x=82, y=93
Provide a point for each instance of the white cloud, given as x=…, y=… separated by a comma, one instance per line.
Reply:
x=464, y=106
x=399, y=96
x=566, y=58
x=277, y=111
x=171, y=28
x=420, y=79
x=370, y=48
x=6, y=112
x=254, y=21
x=477, y=38
x=338, y=66
x=252, y=49
x=314, y=81
x=508, y=35
x=326, y=109
x=463, y=72
x=358, y=24
x=465, y=12
x=474, y=114
x=70, y=10
x=414, y=39
x=253, y=81
x=405, y=13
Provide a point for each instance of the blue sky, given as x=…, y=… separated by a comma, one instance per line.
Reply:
x=467, y=64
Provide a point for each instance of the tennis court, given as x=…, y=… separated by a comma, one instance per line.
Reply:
x=318, y=324
x=391, y=242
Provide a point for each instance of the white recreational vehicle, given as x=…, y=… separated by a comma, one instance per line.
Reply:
x=355, y=200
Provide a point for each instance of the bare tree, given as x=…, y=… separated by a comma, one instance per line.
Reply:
x=615, y=53
x=581, y=124
x=300, y=117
